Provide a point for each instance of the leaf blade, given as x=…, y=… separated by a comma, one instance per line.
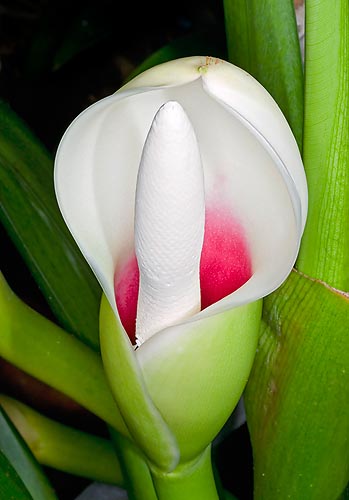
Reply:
x=262, y=38
x=30, y=214
x=17, y=457
x=297, y=401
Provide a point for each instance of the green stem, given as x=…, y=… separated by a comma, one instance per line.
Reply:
x=324, y=250
x=45, y=351
x=139, y=483
x=61, y=447
x=191, y=481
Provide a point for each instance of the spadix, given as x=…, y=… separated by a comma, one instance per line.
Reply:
x=169, y=223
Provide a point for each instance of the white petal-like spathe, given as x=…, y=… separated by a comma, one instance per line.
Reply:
x=249, y=155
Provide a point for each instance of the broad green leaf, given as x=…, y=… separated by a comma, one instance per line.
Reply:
x=297, y=398
x=324, y=250
x=29, y=212
x=345, y=495
x=262, y=38
x=16, y=456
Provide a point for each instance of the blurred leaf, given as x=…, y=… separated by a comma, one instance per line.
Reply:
x=189, y=45
x=20, y=472
x=30, y=214
x=297, y=398
x=262, y=38
x=345, y=495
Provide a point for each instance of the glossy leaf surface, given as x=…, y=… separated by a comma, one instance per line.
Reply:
x=262, y=38
x=297, y=398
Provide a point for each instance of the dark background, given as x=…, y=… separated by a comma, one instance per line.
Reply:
x=59, y=57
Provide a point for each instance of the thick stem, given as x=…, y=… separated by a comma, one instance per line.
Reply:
x=324, y=250
x=62, y=447
x=39, y=347
x=139, y=483
x=191, y=481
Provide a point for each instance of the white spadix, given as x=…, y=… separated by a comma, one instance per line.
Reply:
x=169, y=222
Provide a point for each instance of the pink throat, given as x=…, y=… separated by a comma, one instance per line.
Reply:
x=224, y=267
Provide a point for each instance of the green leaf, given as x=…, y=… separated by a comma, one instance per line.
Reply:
x=297, y=398
x=324, y=249
x=262, y=38
x=21, y=475
x=11, y=486
x=30, y=214
x=345, y=495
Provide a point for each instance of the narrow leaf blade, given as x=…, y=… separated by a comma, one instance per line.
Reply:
x=29, y=212
x=17, y=457
x=11, y=485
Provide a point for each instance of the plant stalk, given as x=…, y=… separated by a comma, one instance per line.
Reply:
x=64, y=448
x=41, y=348
x=324, y=250
x=191, y=481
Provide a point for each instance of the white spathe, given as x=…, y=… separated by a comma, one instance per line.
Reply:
x=249, y=156
x=183, y=382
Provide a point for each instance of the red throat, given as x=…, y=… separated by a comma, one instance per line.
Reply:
x=224, y=267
